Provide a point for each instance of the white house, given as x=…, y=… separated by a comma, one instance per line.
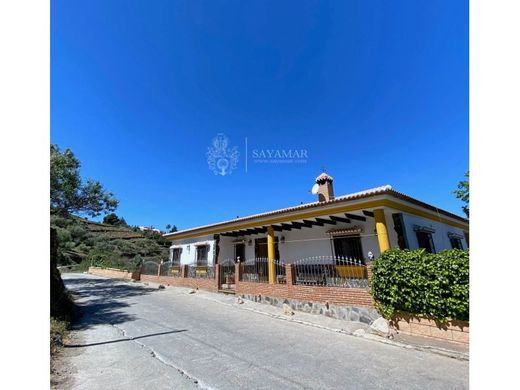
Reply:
x=356, y=226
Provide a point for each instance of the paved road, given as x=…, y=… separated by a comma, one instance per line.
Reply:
x=134, y=337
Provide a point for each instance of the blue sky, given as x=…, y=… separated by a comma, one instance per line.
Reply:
x=375, y=91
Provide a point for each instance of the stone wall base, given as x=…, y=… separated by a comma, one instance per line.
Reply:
x=342, y=312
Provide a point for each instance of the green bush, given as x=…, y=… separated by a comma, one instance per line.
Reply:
x=422, y=283
x=63, y=235
x=99, y=258
x=77, y=232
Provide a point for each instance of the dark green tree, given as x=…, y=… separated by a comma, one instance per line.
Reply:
x=170, y=228
x=70, y=194
x=462, y=193
x=113, y=219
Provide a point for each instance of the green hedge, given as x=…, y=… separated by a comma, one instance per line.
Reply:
x=419, y=282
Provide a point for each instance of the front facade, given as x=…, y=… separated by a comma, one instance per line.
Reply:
x=353, y=228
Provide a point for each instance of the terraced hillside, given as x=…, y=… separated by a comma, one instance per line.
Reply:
x=92, y=243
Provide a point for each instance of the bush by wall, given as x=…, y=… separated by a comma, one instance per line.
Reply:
x=422, y=283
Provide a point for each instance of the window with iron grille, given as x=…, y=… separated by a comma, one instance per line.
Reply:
x=456, y=243
x=202, y=254
x=348, y=247
x=425, y=241
x=176, y=255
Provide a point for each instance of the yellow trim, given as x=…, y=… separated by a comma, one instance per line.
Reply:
x=271, y=254
x=351, y=271
x=318, y=213
x=382, y=232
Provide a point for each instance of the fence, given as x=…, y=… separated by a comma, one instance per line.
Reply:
x=257, y=270
x=171, y=268
x=150, y=268
x=331, y=271
x=324, y=280
x=201, y=271
x=227, y=273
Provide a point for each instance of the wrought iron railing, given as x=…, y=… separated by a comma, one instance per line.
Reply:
x=331, y=272
x=201, y=271
x=171, y=268
x=257, y=270
x=150, y=268
x=227, y=272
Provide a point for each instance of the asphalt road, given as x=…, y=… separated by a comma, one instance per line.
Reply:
x=133, y=336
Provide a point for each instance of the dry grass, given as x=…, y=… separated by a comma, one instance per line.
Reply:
x=59, y=330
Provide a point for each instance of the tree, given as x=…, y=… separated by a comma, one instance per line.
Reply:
x=69, y=194
x=462, y=193
x=170, y=228
x=113, y=219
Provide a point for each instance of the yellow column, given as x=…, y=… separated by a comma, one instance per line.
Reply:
x=270, y=254
x=382, y=232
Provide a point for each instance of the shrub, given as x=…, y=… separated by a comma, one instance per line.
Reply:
x=77, y=232
x=99, y=258
x=63, y=235
x=418, y=282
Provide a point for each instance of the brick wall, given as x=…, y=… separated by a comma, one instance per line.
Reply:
x=203, y=284
x=113, y=273
x=456, y=331
x=332, y=295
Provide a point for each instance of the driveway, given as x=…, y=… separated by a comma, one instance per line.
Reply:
x=133, y=336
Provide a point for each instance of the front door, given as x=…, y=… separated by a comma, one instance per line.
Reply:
x=261, y=248
x=240, y=252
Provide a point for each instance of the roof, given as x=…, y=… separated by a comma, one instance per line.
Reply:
x=372, y=192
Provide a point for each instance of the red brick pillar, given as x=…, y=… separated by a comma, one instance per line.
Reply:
x=184, y=271
x=289, y=274
x=217, y=275
x=237, y=273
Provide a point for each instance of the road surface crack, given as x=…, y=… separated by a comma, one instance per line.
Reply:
x=163, y=360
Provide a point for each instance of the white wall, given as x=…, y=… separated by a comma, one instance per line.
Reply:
x=440, y=237
x=188, y=246
x=304, y=242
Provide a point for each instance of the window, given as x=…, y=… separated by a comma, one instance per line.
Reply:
x=399, y=229
x=425, y=241
x=176, y=255
x=202, y=254
x=456, y=243
x=348, y=247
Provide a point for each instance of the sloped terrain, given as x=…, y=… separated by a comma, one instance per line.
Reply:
x=92, y=243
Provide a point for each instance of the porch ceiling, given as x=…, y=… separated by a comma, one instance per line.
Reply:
x=298, y=224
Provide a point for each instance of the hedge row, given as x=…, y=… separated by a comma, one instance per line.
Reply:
x=422, y=283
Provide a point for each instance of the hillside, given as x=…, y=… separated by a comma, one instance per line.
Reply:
x=92, y=243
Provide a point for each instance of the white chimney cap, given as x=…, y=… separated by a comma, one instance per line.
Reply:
x=323, y=177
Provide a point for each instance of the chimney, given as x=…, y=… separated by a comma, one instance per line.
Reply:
x=325, y=191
